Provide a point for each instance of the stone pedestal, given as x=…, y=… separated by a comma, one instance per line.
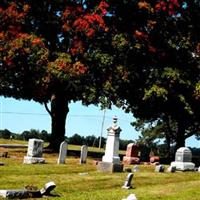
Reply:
x=183, y=160
x=111, y=160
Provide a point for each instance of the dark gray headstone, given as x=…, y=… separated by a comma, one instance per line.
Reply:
x=127, y=184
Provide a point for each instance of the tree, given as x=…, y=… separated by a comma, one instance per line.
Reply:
x=161, y=42
x=54, y=52
x=5, y=134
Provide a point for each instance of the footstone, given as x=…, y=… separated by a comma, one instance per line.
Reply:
x=131, y=197
x=171, y=169
x=159, y=168
x=33, y=160
x=135, y=168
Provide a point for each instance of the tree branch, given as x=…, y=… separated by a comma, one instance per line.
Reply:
x=47, y=109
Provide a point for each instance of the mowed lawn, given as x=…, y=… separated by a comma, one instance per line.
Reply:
x=83, y=182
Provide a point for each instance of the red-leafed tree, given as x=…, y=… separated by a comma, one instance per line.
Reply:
x=54, y=51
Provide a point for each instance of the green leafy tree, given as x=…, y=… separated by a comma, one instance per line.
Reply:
x=160, y=42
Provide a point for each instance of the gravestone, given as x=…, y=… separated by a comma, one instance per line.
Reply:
x=62, y=153
x=47, y=188
x=127, y=184
x=183, y=160
x=131, y=154
x=34, y=153
x=83, y=156
x=135, y=168
x=171, y=169
x=28, y=192
x=131, y=197
x=159, y=168
x=111, y=160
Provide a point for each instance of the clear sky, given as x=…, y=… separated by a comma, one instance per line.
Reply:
x=19, y=115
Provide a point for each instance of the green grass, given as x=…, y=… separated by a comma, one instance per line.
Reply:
x=93, y=185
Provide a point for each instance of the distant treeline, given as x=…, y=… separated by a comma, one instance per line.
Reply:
x=76, y=139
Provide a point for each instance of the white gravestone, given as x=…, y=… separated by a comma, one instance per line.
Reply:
x=183, y=160
x=34, y=153
x=111, y=160
x=84, y=151
x=112, y=143
x=62, y=153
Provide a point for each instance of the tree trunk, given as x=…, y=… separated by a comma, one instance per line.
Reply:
x=59, y=111
x=180, y=140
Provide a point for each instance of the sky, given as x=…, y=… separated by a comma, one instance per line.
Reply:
x=19, y=115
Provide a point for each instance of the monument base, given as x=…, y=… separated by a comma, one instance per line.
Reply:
x=183, y=166
x=109, y=167
x=33, y=160
x=131, y=160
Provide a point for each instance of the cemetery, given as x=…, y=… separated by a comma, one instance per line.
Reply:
x=142, y=57
x=61, y=176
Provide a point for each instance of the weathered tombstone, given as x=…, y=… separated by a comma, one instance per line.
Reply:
x=34, y=153
x=131, y=154
x=47, y=188
x=131, y=197
x=183, y=160
x=127, y=183
x=1, y=164
x=135, y=168
x=171, y=169
x=111, y=160
x=83, y=156
x=62, y=153
x=159, y=168
x=28, y=192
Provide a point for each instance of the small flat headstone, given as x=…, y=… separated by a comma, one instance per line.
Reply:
x=171, y=169
x=135, y=168
x=14, y=194
x=48, y=188
x=127, y=184
x=159, y=168
x=131, y=197
x=1, y=163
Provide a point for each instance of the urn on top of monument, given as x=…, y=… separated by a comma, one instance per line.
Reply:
x=114, y=129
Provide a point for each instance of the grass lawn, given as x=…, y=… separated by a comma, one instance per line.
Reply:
x=83, y=182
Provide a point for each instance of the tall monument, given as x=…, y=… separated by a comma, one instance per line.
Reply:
x=111, y=160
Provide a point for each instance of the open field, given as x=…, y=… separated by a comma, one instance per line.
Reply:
x=83, y=182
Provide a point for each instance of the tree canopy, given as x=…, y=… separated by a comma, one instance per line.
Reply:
x=141, y=55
